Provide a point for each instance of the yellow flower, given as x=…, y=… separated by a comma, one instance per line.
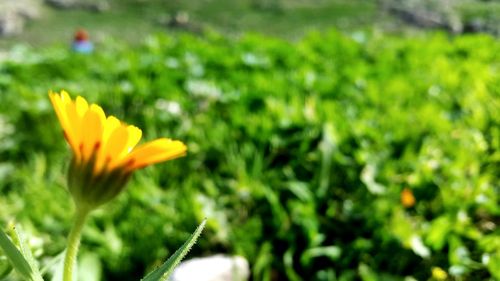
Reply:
x=407, y=198
x=438, y=273
x=104, y=150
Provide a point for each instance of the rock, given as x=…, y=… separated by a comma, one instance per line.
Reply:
x=180, y=21
x=475, y=25
x=213, y=268
x=426, y=13
x=93, y=5
x=10, y=23
x=14, y=14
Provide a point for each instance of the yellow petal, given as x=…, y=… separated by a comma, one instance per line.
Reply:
x=75, y=124
x=97, y=109
x=55, y=99
x=117, y=143
x=153, y=152
x=65, y=97
x=91, y=131
x=81, y=106
x=109, y=126
x=60, y=110
x=134, y=136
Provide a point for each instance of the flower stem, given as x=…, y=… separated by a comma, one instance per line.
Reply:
x=73, y=243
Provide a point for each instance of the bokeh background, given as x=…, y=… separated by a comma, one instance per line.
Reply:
x=328, y=139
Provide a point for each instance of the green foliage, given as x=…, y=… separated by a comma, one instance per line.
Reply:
x=163, y=272
x=297, y=153
x=21, y=260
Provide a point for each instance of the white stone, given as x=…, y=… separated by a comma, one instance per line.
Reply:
x=213, y=268
x=13, y=15
x=10, y=23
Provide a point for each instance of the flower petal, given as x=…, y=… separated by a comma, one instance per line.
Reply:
x=116, y=145
x=81, y=106
x=155, y=151
x=61, y=113
x=109, y=126
x=135, y=135
x=97, y=109
x=91, y=131
x=75, y=123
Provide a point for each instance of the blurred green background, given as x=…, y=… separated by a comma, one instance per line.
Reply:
x=46, y=22
x=305, y=121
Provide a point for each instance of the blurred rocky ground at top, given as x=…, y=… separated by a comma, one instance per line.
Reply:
x=456, y=16
x=14, y=14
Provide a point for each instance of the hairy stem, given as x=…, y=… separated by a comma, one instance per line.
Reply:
x=73, y=243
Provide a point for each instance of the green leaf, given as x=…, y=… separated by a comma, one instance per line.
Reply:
x=331, y=252
x=494, y=265
x=289, y=269
x=26, y=252
x=165, y=270
x=5, y=267
x=90, y=267
x=366, y=273
x=15, y=257
x=262, y=267
x=438, y=232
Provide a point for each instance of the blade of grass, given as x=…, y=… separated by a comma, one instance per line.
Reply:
x=15, y=257
x=26, y=252
x=165, y=270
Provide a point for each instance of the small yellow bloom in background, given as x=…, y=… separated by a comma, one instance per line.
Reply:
x=104, y=150
x=407, y=198
x=438, y=273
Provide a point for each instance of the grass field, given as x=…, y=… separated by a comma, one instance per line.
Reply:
x=132, y=20
x=354, y=153
x=298, y=153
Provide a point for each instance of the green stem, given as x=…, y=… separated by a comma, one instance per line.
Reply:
x=73, y=243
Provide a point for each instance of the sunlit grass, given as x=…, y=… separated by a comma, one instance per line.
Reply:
x=132, y=20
